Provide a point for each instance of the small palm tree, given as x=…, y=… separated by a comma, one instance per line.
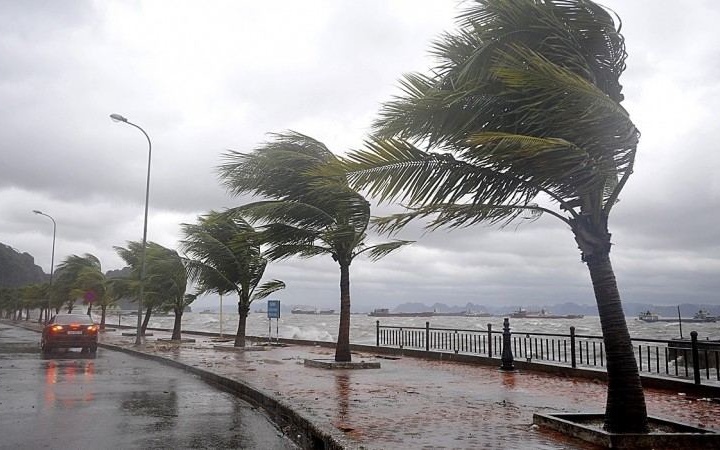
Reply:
x=225, y=257
x=166, y=283
x=160, y=274
x=78, y=278
x=308, y=213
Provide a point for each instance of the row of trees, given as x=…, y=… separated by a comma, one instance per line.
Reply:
x=225, y=257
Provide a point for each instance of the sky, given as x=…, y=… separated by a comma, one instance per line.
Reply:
x=205, y=77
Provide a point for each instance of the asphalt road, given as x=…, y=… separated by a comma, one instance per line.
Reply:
x=117, y=401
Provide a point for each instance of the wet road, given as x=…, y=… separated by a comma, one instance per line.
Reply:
x=117, y=401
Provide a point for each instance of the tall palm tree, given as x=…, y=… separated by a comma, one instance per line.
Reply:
x=521, y=117
x=226, y=258
x=307, y=213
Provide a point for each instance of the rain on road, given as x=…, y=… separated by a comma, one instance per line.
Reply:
x=117, y=401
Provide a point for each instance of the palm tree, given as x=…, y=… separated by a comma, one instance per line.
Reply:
x=521, y=117
x=132, y=255
x=226, y=258
x=32, y=296
x=307, y=213
x=166, y=281
x=78, y=277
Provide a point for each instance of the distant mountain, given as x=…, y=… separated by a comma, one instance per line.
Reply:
x=18, y=269
x=413, y=307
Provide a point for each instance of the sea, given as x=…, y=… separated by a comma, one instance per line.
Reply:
x=317, y=327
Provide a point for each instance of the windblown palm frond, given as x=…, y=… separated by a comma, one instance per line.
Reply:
x=268, y=288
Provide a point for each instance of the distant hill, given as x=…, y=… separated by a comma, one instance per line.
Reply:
x=18, y=269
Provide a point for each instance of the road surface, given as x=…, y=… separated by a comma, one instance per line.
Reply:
x=117, y=401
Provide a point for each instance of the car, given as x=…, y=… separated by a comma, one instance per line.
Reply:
x=70, y=331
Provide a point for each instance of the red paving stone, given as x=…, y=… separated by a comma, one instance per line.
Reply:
x=417, y=404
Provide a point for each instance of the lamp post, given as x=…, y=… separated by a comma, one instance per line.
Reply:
x=52, y=262
x=119, y=118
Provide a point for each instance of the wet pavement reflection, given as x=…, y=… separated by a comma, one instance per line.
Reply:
x=117, y=401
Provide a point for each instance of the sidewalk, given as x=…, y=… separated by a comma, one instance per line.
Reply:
x=411, y=403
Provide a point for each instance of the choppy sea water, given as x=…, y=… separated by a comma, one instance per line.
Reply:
x=362, y=326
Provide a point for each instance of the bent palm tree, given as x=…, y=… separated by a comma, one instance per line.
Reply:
x=308, y=213
x=78, y=277
x=157, y=273
x=526, y=103
x=166, y=282
x=226, y=257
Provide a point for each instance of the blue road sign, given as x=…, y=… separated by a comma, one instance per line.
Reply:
x=273, y=309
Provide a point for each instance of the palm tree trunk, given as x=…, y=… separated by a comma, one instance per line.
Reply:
x=625, y=410
x=176, y=334
x=103, y=311
x=146, y=320
x=342, y=349
x=243, y=309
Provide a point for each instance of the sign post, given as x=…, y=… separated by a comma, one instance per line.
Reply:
x=273, y=312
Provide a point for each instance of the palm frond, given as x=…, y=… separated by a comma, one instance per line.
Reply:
x=378, y=251
x=268, y=288
x=393, y=169
x=452, y=215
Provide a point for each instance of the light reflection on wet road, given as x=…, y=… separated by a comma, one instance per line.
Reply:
x=116, y=401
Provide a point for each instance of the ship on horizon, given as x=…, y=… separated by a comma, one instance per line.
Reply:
x=312, y=311
x=385, y=312
x=523, y=313
x=699, y=317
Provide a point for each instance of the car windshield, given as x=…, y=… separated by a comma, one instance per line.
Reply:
x=67, y=319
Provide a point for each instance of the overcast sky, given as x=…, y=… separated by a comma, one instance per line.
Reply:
x=202, y=77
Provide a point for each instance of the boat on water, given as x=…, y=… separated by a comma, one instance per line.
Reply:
x=303, y=311
x=385, y=312
x=647, y=316
x=461, y=314
x=523, y=313
x=320, y=312
x=699, y=317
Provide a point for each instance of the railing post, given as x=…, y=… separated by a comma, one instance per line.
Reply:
x=573, y=363
x=427, y=336
x=695, y=356
x=490, y=340
x=507, y=355
x=377, y=333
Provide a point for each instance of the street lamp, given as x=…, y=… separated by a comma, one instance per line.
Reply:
x=119, y=118
x=52, y=262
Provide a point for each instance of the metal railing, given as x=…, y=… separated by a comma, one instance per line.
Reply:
x=683, y=358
